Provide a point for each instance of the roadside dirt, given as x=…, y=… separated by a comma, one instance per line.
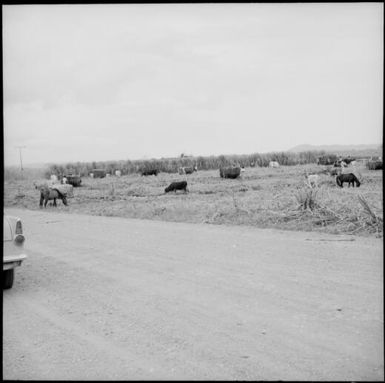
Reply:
x=107, y=298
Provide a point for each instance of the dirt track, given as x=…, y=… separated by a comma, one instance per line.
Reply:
x=109, y=298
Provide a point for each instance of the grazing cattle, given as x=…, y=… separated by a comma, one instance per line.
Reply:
x=312, y=180
x=187, y=169
x=47, y=194
x=273, y=164
x=118, y=173
x=66, y=189
x=340, y=164
x=350, y=178
x=153, y=172
x=327, y=160
x=348, y=160
x=98, y=173
x=374, y=164
x=230, y=172
x=73, y=180
x=174, y=186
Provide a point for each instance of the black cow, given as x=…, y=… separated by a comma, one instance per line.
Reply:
x=174, y=186
x=374, y=164
x=327, y=160
x=350, y=178
x=230, y=172
x=348, y=160
x=150, y=172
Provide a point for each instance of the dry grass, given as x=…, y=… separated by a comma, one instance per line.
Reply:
x=261, y=197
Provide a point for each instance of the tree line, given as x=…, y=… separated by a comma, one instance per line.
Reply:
x=171, y=165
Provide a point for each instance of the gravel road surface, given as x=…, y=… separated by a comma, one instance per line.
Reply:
x=107, y=298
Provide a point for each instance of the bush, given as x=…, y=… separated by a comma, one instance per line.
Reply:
x=307, y=198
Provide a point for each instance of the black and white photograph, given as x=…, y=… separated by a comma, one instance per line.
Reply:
x=193, y=191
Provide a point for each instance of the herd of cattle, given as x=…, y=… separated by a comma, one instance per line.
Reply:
x=312, y=180
x=54, y=189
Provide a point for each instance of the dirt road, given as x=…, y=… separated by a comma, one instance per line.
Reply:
x=109, y=298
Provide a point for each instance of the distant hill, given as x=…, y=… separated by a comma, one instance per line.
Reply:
x=334, y=148
x=343, y=150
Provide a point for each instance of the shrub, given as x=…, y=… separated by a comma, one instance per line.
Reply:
x=307, y=198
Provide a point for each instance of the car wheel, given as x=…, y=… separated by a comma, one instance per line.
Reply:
x=8, y=278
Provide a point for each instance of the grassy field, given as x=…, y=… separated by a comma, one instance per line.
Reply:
x=261, y=197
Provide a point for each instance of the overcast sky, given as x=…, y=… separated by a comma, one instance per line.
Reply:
x=117, y=82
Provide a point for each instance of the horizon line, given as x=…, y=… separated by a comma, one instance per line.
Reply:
x=292, y=150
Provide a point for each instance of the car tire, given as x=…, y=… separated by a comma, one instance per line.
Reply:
x=8, y=276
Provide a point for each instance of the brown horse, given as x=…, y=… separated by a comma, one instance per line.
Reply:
x=47, y=194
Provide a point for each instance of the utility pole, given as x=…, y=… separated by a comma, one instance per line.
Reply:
x=21, y=162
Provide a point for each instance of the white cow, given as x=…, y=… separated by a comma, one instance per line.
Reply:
x=273, y=164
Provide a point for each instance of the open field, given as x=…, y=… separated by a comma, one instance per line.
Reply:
x=261, y=197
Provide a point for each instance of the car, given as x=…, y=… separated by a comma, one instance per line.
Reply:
x=13, y=248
